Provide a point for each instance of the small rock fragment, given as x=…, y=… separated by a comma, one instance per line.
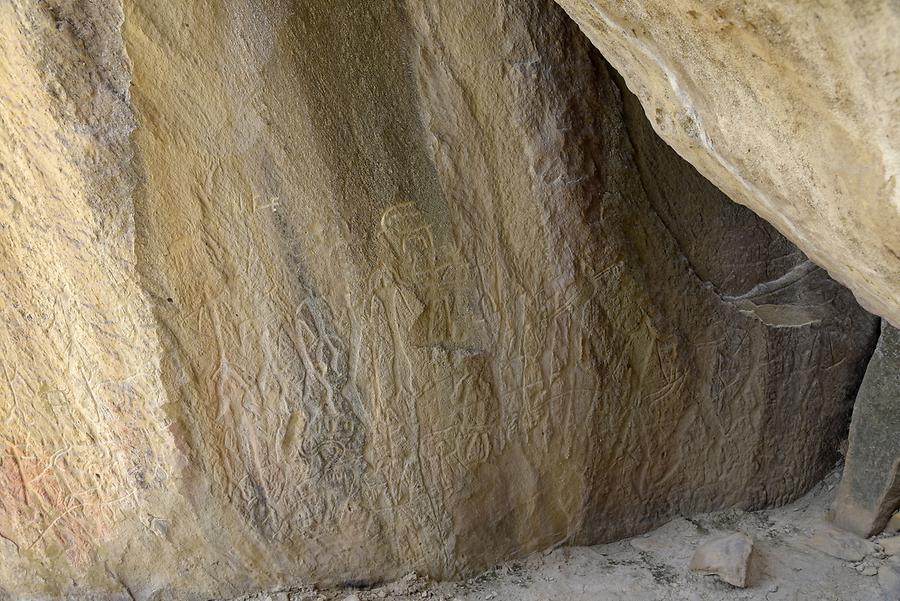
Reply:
x=353, y=597
x=841, y=544
x=866, y=569
x=726, y=558
x=408, y=585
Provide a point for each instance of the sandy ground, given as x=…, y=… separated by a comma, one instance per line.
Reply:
x=784, y=566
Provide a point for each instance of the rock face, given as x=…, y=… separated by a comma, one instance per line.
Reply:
x=870, y=488
x=332, y=291
x=792, y=109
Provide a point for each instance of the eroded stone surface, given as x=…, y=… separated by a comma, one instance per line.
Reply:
x=792, y=109
x=331, y=292
x=870, y=489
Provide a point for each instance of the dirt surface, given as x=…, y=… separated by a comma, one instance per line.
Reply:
x=784, y=566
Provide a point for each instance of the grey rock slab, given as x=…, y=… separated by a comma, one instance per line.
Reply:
x=726, y=558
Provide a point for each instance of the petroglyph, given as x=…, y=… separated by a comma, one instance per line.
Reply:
x=436, y=275
x=291, y=420
x=399, y=309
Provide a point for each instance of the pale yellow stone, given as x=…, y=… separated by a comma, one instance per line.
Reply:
x=791, y=108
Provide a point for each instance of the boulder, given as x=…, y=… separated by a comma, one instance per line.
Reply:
x=790, y=108
x=328, y=292
x=727, y=558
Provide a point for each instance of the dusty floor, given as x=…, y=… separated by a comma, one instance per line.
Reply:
x=785, y=565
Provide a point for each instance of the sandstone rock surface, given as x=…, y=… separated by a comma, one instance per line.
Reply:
x=791, y=108
x=331, y=291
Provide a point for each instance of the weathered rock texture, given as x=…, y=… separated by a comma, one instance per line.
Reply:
x=791, y=107
x=726, y=558
x=327, y=291
x=870, y=488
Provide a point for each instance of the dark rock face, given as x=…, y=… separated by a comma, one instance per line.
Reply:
x=785, y=108
x=870, y=488
x=400, y=286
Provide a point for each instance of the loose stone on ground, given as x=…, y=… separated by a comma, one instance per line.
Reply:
x=726, y=558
